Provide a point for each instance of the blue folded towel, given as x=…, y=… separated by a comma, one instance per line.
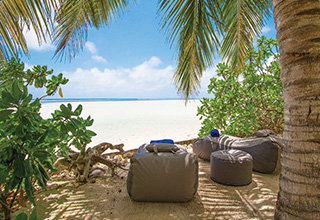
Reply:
x=214, y=133
x=167, y=141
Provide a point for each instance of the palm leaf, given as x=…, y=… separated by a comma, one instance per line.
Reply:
x=191, y=25
x=195, y=25
x=243, y=20
x=15, y=15
x=75, y=17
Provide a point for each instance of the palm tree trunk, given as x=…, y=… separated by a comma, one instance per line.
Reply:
x=298, y=34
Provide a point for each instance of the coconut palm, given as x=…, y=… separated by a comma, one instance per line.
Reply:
x=64, y=22
x=195, y=27
x=298, y=35
x=14, y=17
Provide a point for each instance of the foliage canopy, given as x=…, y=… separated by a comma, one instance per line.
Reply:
x=28, y=142
x=247, y=102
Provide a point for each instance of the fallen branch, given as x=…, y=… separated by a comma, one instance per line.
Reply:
x=84, y=162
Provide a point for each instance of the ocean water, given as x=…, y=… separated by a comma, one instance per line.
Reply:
x=134, y=122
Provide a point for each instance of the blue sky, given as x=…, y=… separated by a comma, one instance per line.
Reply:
x=131, y=58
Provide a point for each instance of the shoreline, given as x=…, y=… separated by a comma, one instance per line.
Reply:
x=136, y=122
x=66, y=100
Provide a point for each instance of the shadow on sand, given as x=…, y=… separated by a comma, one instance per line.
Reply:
x=107, y=198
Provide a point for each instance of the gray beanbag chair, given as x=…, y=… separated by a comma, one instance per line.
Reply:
x=264, y=148
x=231, y=167
x=167, y=174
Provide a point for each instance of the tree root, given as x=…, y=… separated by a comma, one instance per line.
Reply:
x=83, y=162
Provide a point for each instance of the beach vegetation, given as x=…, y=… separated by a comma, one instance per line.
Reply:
x=28, y=142
x=246, y=102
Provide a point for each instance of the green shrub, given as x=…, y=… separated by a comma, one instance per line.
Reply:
x=28, y=143
x=245, y=102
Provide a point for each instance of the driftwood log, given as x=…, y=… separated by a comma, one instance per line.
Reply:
x=83, y=162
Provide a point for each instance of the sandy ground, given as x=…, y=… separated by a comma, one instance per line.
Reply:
x=107, y=198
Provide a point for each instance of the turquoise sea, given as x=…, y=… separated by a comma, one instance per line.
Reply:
x=62, y=100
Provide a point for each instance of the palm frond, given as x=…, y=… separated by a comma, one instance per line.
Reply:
x=75, y=17
x=191, y=25
x=243, y=20
x=15, y=16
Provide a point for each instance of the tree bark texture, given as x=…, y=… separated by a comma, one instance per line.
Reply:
x=298, y=34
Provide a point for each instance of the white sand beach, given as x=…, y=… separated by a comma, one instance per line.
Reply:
x=136, y=122
x=106, y=197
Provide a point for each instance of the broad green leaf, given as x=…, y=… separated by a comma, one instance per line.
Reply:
x=63, y=130
x=21, y=216
x=44, y=68
x=34, y=215
x=43, y=172
x=16, y=92
x=48, y=163
x=76, y=122
x=78, y=110
x=41, y=154
x=4, y=104
x=5, y=113
x=40, y=180
x=90, y=133
x=26, y=100
x=3, y=173
x=24, y=91
x=29, y=189
x=65, y=111
x=7, y=97
x=89, y=121
x=18, y=166
x=71, y=127
x=28, y=167
x=20, y=131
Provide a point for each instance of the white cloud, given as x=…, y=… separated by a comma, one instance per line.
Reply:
x=91, y=47
x=28, y=66
x=270, y=59
x=142, y=71
x=145, y=80
x=205, y=80
x=99, y=59
x=265, y=30
x=32, y=41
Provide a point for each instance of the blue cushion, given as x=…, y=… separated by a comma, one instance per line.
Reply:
x=167, y=141
x=214, y=133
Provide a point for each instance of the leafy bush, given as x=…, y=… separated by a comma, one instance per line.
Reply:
x=249, y=101
x=28, y=143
